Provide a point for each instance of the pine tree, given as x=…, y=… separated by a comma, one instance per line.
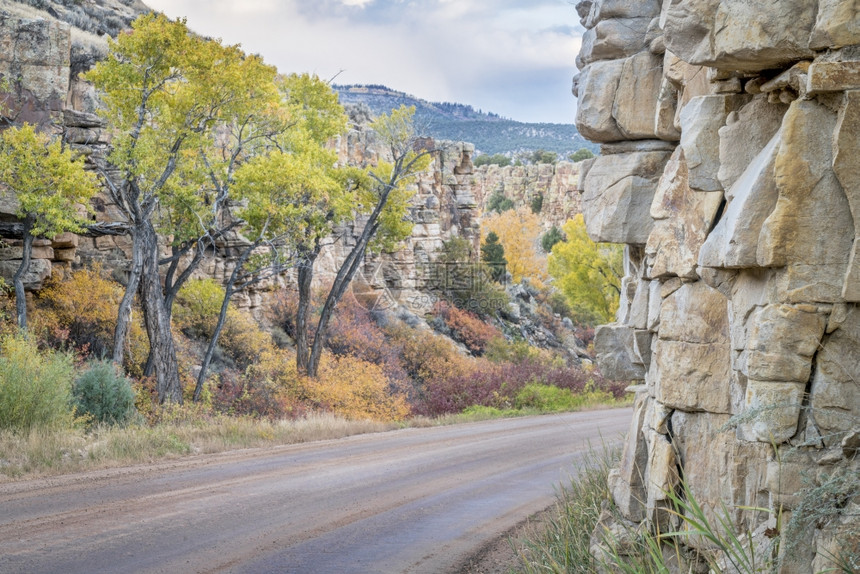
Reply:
x=493, y=255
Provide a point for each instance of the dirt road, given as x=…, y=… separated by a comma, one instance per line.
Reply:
x=416, y=500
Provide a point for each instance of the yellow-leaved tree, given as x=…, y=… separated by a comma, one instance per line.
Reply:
x=51, y=188
x=518, y=232
x=589, y=275
x=180, y=108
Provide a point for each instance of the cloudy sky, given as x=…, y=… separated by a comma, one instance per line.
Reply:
x=511, y=57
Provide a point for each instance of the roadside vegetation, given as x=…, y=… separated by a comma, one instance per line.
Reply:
x=585, y=533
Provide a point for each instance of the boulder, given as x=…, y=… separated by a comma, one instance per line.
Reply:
x=733, y=243
x=782, y=342
x=744, y=136
x=613, y=345
x=835, y=393
x=614, y=39
x=619, y=190
x=598, y=85
x=738, y=34
x=662, y=478
x=627, y=482
x=683, y=218
x=608, y=9
x=837, y=24
x=635, y=107
x=693, y=351
x=695, y=313
x=34, y=278
x=827, y=77
x=701, y=120
x=810, y=231
x=773, y=410
x=721, y=472
x=846, y=150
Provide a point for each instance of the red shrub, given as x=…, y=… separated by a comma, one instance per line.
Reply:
x=467, y=327
x=496, y=385
x=353, y=331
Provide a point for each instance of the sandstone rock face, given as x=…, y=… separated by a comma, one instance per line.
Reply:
x=617, y=209
x=35, y=58
x=557, y=185
x=741, y=306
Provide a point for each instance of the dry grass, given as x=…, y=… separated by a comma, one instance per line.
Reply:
x=46, y=453
x=24, y=10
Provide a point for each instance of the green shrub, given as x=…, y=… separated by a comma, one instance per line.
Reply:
x=550, y=238
x=104, y=394
x=499, y=203
x=496, y=159
x=580, y=155
x=537, y=203
x=545, y=398
x=198, y=305
x=35, y=387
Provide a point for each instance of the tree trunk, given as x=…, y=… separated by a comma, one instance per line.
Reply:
x=18, y=279
x=305, y=279
x=222, y=318
x=123, y=319
x=213, y=342
x=158, y=321
x=172, y=285
x=341, y=282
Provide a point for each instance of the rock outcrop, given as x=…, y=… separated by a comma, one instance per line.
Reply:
x=553, y=183
x=731, y=169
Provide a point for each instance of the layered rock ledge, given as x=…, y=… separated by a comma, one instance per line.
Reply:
x=731, y=170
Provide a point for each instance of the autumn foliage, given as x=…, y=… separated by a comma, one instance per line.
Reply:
x=466, y=327
x=519, y=231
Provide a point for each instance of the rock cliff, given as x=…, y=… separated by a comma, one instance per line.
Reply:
x=730, y=168
x=555, y=184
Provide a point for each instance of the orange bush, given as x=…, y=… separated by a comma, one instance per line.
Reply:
x=354, y=389
x=427, y=356
x=80, y=313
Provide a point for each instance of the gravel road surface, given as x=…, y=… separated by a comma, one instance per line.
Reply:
x=415, y=500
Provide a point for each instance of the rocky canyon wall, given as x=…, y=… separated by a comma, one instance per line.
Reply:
x=730, y=168
x=556, y=184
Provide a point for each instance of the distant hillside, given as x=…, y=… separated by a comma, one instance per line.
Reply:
x=489, y=132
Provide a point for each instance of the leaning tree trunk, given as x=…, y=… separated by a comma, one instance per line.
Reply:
x=123, y=319
x=341, y=283
x=229, y=290
x=158, y=321
x=18, y=279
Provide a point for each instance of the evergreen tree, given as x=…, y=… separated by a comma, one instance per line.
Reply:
x=493, y=255
x=550, y=238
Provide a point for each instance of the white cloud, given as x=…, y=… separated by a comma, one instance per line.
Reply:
x=513, y=57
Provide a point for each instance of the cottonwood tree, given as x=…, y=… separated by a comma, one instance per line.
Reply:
x=381, y=198
x=291, y=196
x=164, y=90
x=51, y=188
x=518, y=231
x=196, y=213
x=589, y=275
